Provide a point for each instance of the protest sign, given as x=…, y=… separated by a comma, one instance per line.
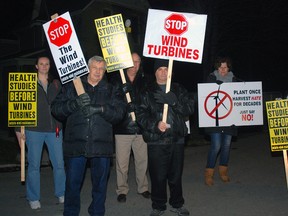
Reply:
x=22, y=106
x=115, y=47
x=277, y=116
x=65, y=48
x=175, y=35
x=237, y=103
x=114, y=43
x=22, y=99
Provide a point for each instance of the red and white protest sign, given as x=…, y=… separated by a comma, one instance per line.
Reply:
x=175, y=35
x=237, y=103
x=176, y=24
x=65, y=48
x=59, y=32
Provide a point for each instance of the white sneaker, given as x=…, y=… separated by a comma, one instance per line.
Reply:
x=35, y=204
x=61, y=199
x=180, y=211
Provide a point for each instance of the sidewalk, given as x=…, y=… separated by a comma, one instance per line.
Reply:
x=258, y=186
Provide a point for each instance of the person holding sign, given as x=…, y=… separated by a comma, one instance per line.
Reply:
x=88, y=134
x=48, y=130
x=165, y=139
x=220, y=136
x=128, y=136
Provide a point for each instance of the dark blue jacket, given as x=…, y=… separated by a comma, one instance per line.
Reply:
x=92, y=136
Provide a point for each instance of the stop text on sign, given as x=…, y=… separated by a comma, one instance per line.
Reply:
x=59, y=31
x=176, y=24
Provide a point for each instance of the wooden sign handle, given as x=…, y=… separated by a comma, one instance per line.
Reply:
x=286, y=165
x=133, y=116
x=78, y=86
x=54, y=16
x=168, y=86
x=22, y=153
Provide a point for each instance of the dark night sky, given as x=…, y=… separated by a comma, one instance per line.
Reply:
x=253, y=32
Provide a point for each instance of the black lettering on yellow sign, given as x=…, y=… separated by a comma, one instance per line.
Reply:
x=22, y=106
x=22, y=86
x=25, y=77
x=22, y=115
x=279, y=140
x=22, y=99
x=277, y=114
x=109, y=25
x=277, y=104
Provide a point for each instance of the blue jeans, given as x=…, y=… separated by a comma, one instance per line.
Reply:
x=220, y=144
x=75, y=172
x=35, y=142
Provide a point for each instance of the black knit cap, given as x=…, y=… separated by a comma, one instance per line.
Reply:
x=160, y=63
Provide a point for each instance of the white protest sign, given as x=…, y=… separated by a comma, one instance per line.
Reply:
x=65, y=48
x=235, y=103
x=175, y=35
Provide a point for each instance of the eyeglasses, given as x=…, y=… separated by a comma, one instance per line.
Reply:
x=98, y=69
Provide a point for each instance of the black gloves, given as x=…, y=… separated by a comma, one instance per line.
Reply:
x=126, y=87
x=165, y=98
x=92, y=109
x=81, y=101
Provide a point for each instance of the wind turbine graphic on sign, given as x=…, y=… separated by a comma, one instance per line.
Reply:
x=219, y=101
x=216, y=98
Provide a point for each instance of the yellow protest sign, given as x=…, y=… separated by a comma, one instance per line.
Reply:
x=22, y=99
x=114, y=43
x=277, y=115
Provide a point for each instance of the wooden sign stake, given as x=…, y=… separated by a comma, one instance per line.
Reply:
x=133, y=116
x=168, y=86
x=22, y=154
x=286, y=165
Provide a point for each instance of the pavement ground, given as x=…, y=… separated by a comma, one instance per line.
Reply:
x=258, y=186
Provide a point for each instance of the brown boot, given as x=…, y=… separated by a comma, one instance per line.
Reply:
x=223, y=172
x=209, y=172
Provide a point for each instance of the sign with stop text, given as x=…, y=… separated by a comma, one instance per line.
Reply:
x=114, y=42
x=175, y=35
x=277, y=116
x=22, y=99
x=234, y=103
x=65, y=48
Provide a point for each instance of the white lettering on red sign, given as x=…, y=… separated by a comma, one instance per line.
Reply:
x=175, y=24
x=58, y=32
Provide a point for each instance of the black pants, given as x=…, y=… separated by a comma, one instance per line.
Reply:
x=166, y=165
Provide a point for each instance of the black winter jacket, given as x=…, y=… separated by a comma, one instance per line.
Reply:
x=127, y=125
x=150, y=113
x=45, y=121
x=92, y=136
